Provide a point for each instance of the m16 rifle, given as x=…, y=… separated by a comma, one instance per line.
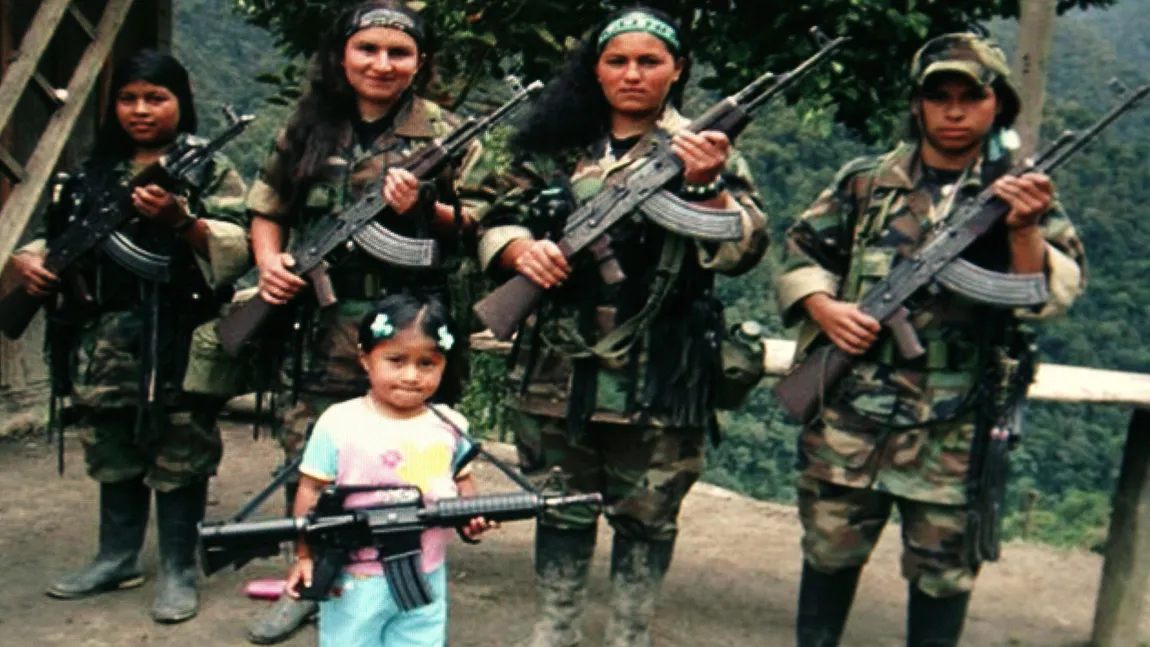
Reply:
x=356, y=226
x=642, y=188
x=95, y=224
x=392, y=526
x=937, y=261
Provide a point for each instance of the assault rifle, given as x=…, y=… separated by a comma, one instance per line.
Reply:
x=90, y=227
x=937, y=261
x=642, y=188
x=393, y=526
x=355, y=226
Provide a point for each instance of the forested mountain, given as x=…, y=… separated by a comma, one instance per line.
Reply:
x=1070, y=455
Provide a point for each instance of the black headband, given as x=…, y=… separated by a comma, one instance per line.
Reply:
x=384, y=17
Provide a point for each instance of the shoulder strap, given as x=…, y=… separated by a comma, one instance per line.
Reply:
x=478, y=450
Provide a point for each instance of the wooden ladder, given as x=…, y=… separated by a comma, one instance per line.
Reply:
x=31, y=178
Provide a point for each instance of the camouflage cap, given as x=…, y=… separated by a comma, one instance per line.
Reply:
x=972, y=56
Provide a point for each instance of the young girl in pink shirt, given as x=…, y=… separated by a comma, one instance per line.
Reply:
x=390, y=437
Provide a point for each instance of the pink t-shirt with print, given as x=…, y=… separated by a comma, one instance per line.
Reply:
x=354, y=444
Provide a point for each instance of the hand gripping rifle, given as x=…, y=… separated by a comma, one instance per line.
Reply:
x=96, y=225
x=642, y=188
x=801, y=391
x=393, y=527
x=355, y=226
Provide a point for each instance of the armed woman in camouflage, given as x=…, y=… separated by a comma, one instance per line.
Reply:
x=360, y=115
x=631, y=422
x=129, y=334
x=897, y=431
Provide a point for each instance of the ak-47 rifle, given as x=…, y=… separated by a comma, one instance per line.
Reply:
x=642, y=188
x=937, y=261
x=99, y=218
x=392, y=526
x=356, y=226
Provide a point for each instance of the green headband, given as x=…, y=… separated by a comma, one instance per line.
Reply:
x=639, y=21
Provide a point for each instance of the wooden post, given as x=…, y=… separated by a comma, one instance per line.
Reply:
x=1126, y=571
x=6, y=46
x=15, y=213
x=1036, y=28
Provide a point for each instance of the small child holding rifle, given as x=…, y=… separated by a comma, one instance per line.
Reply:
x=390, y=436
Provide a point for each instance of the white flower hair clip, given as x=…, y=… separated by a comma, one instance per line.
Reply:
x=381, y=328
x=446, y=340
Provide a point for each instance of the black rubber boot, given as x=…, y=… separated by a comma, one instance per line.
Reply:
x=123, y=524
x=287, y=615
x=935, y=622
x=562, y=561
x=177, y=514
x=824, y=604
x=638, y=568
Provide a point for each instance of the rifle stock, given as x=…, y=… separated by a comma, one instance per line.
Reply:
x=509, y=304
x=238, y=327
x=800, y=392
x=17, y=309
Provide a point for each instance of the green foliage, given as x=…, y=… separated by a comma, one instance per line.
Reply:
x=492, y=38
x=223, y=56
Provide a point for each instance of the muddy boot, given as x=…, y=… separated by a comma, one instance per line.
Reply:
x=562, y=561
x=281, y=620
x=287, y=615
x=935, y=622
x=637, y=572
x=824, y=604
x=123, y=524
x=177, y=513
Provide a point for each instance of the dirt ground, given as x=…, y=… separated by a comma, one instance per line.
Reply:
x=733, y=582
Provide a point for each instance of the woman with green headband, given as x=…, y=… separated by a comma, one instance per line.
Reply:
x=631, y=425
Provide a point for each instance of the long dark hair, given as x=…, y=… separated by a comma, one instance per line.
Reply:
x=572, y=112
x=433, y=317
x=319, y=124
x=113, y=144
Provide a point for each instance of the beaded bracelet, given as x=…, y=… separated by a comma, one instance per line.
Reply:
x=702, y=192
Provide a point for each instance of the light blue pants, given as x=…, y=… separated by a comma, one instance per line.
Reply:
x=366, y=615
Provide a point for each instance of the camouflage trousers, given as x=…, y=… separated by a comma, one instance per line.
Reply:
x=841, y=526
x=187, y=450
x=643, y=472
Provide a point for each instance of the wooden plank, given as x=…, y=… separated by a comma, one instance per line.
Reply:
x=82, y=21
x=1126, y=571
x=18, y=209
x=9, y=167
x=1032, y=56
x=32, y=47
x=50, y=93
x=1054, y=382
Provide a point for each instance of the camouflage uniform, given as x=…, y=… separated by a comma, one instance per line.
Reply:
x=895, y=431
x=629, y=422
x=331, y=370
x=631, y=448
x=108, y=342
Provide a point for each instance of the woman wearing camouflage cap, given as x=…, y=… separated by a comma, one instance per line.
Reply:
x=897, y=432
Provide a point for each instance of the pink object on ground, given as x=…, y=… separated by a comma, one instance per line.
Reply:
x=265, y=589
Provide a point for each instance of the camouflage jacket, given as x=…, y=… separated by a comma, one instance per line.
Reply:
x=898, y=425
x=103, y=343
x=620, y=388
x=355, y=170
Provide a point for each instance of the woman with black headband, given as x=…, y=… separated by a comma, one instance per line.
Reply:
x=614, y=382
x=358, y=117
